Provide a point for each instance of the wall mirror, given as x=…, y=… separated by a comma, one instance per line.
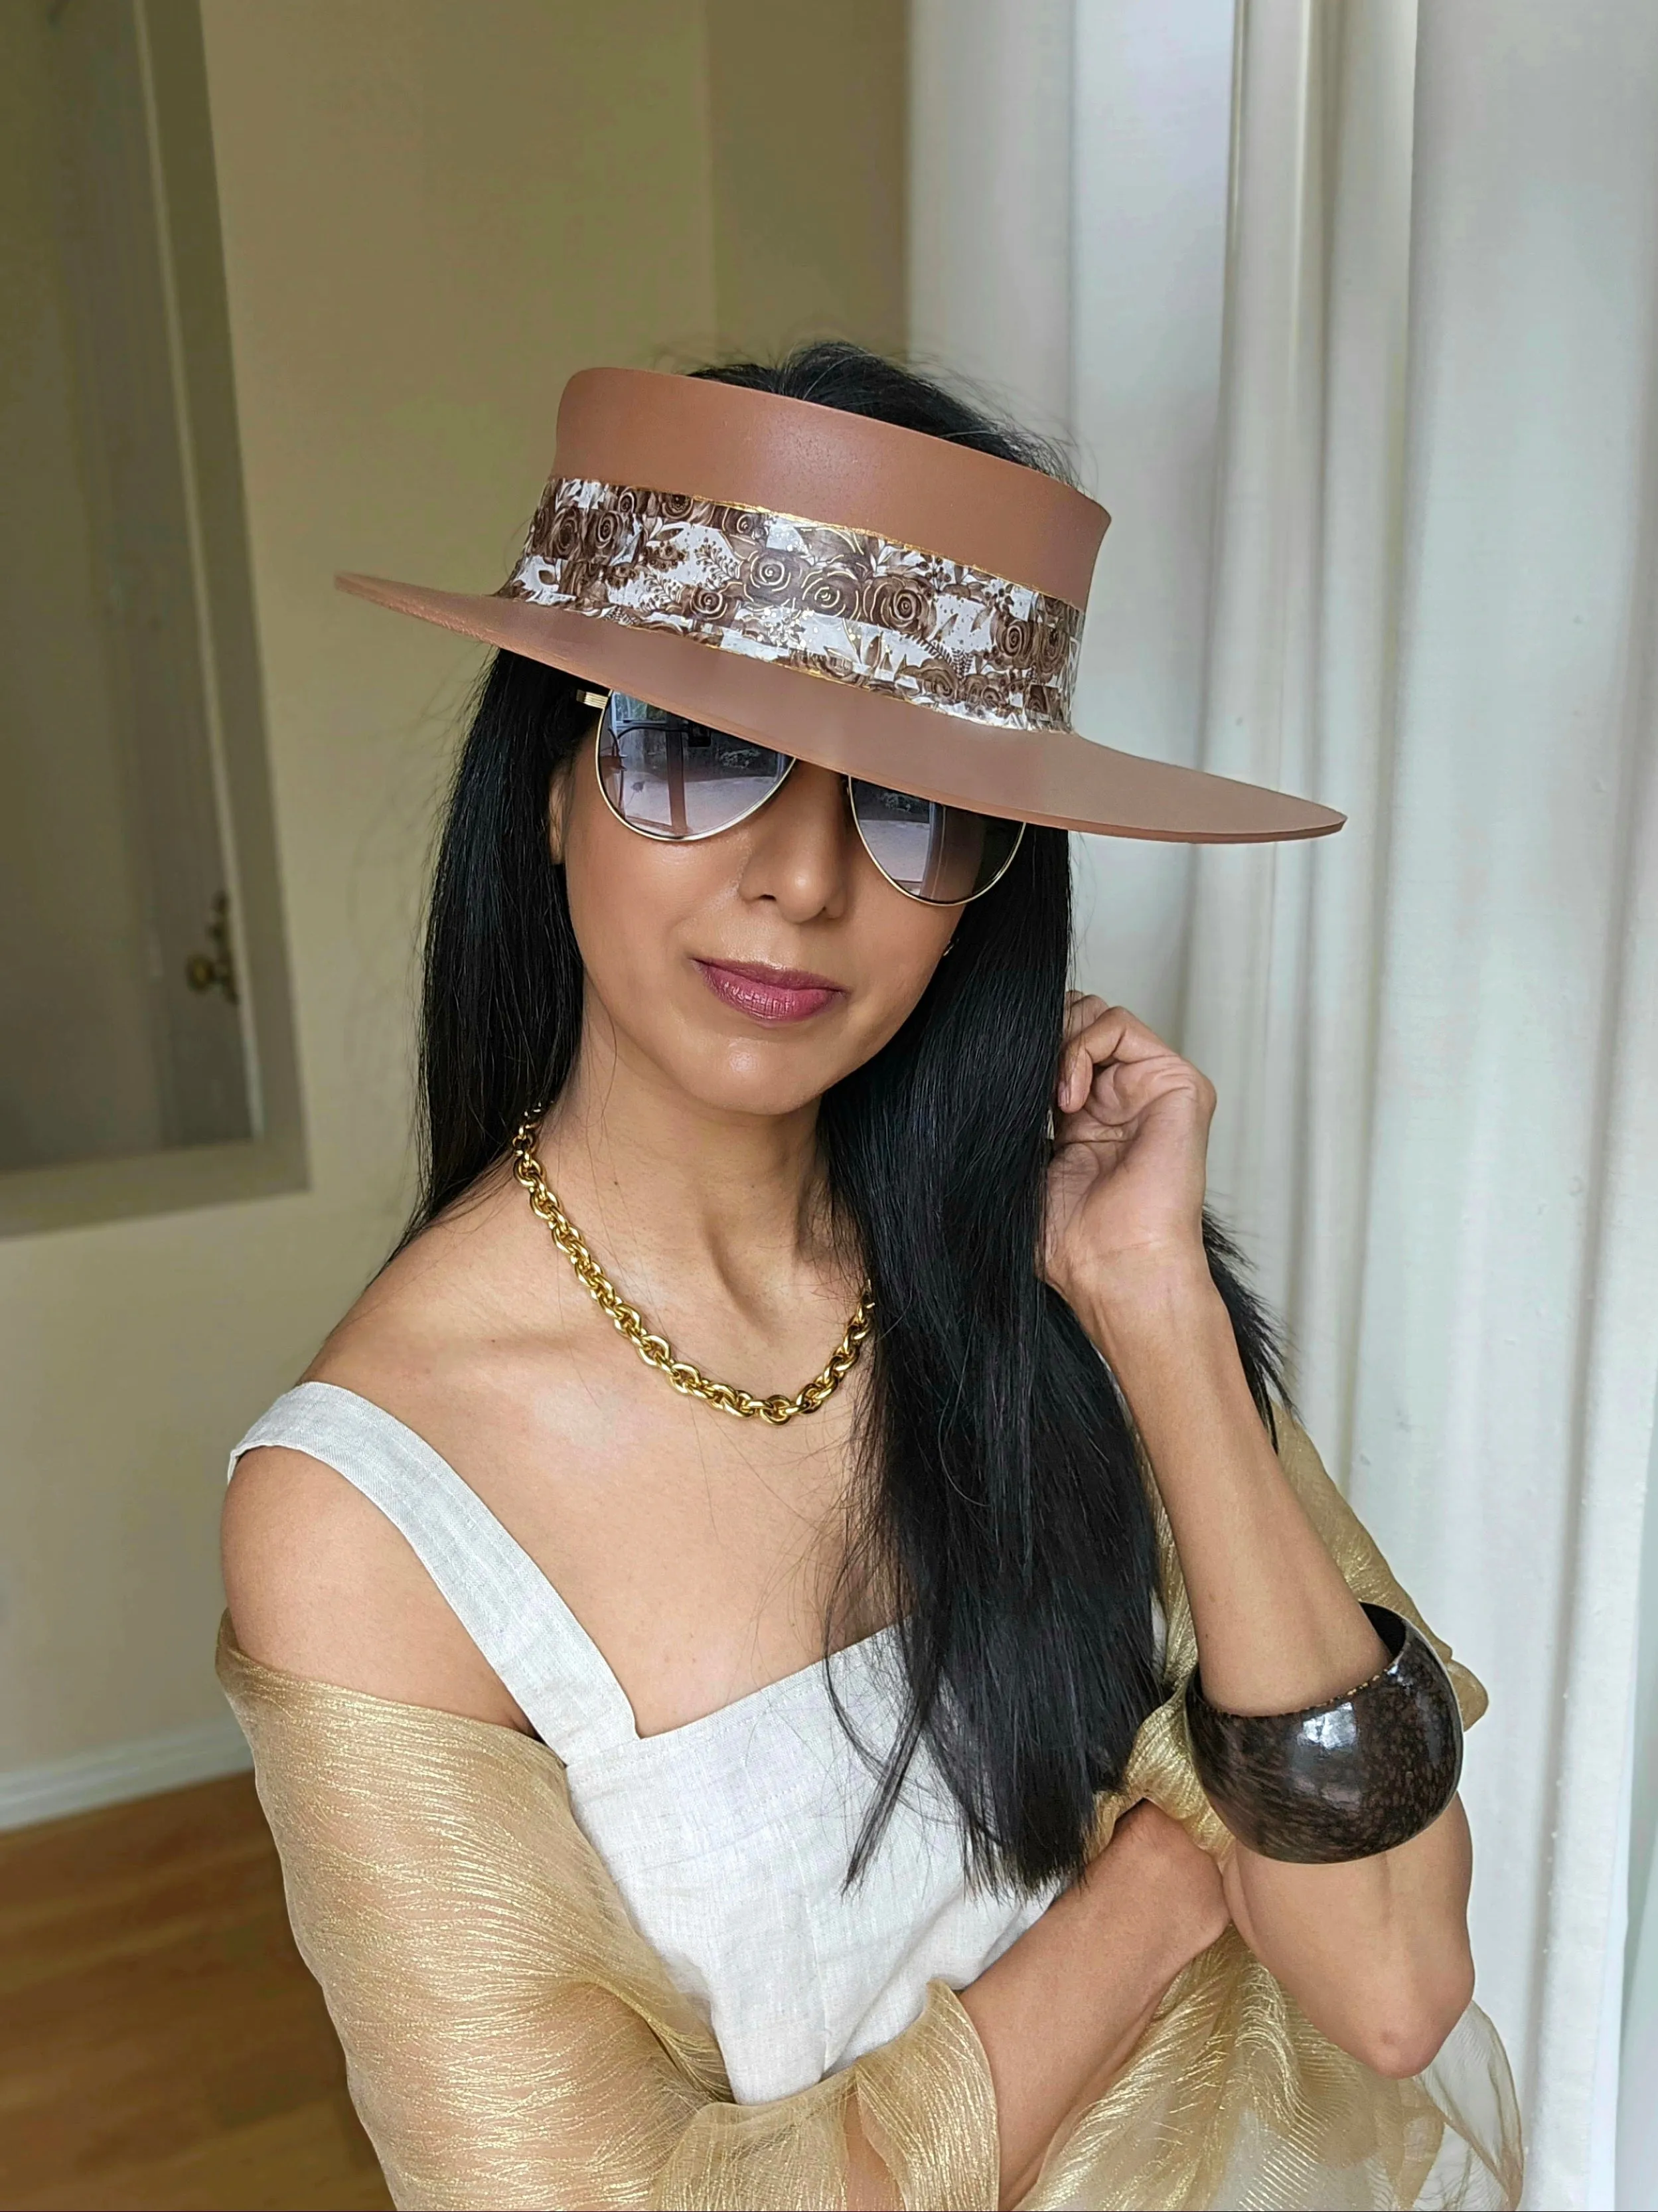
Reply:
x=146, y=1054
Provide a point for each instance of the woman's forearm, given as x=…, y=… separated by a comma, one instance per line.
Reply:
x=1276, y=1626
x=1061, y=2010
x=1375, y=1950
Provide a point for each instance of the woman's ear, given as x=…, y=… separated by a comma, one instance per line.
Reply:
x=558, y=807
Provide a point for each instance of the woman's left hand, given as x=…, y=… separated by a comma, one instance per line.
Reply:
x=1125, y=1184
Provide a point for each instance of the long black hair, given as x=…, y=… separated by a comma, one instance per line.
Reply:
x=1000, y=1504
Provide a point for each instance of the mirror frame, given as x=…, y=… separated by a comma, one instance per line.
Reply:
x=79, y=1193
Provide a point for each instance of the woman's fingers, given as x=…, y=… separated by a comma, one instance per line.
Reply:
x=1098, y=1036
x=1115, y=1034
x=1082, y=1010
x=1091, y=1031
x=1112, y=1059
x=1080, y=1065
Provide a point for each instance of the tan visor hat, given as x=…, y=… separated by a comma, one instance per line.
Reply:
x=877, y=601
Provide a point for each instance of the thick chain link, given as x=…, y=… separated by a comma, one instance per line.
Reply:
x=656, y=1350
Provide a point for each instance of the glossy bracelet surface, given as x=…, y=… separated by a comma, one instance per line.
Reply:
x=1344, y=1780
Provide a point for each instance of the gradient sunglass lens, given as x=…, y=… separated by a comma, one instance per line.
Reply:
x=941, y=855
x=673, y=778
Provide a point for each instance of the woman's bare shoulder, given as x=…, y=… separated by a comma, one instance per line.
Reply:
x=317, y=1580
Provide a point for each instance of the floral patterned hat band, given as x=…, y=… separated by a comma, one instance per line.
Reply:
x=885, y=603
x=826, y=599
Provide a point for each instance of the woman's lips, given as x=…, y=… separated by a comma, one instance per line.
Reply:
x=769, y=994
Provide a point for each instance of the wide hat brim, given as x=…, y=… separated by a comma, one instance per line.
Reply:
x=1057, y=778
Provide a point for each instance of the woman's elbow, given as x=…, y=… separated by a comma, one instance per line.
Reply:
x=1404, y=2025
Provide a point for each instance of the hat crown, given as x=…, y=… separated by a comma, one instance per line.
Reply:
x=735, y=446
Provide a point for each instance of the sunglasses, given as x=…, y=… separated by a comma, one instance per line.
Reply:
x=679, y=781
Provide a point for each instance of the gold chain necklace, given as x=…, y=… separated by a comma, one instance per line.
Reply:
x=656, y=1350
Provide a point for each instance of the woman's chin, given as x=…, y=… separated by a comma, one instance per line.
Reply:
x=771, y=1076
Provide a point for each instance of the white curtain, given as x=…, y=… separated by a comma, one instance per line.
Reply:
x=1637, y=2124
x=1360, y=336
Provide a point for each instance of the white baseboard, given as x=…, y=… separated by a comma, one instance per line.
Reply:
x=121, y=1771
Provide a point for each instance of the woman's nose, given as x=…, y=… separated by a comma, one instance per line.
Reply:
x=798, y=846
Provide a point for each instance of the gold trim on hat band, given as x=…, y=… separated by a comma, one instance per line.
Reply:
x=824, y=598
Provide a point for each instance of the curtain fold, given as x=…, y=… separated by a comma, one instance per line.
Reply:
x=1637, y=1990
x=1281, y=992
x=1407, y=345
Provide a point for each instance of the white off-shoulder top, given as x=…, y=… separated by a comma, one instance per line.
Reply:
x=728, y=1838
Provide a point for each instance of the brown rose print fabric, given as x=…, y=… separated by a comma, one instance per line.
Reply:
x=829, y=600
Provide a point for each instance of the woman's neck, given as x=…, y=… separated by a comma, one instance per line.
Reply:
x=674, y=1186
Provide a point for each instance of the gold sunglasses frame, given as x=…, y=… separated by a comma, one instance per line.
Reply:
x=601, y=700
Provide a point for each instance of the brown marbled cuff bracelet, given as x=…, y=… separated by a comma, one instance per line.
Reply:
x=1342, y=1781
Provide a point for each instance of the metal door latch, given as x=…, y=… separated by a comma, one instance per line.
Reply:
x=214, y=970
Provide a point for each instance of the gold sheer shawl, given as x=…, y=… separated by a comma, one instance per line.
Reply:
x=511, y=2040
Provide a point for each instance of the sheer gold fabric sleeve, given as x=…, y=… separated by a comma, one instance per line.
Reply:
x=511, y=2040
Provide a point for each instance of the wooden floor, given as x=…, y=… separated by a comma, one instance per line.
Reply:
x=160, y=2044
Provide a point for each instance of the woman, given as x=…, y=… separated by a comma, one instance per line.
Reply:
x=746, y=1032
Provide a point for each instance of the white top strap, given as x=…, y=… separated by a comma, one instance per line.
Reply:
x=538, y=1647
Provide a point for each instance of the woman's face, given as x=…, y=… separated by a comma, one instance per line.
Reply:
x=755, y=968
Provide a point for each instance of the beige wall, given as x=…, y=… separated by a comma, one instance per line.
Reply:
x=434, y=211
x=805, y=193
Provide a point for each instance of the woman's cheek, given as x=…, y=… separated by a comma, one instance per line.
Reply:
x=628, y=896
